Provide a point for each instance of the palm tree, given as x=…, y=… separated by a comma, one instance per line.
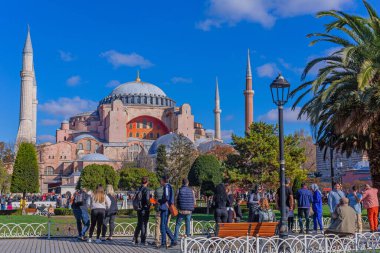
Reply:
x=344, y=109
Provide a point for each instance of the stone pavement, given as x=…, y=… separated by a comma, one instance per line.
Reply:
x=66, y=245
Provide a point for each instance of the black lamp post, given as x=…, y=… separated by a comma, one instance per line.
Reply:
x=280, y=94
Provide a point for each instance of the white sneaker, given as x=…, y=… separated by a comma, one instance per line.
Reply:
x=98, y=241
x=89, y=240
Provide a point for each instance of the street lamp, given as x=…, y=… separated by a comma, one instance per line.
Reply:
x=280, y=94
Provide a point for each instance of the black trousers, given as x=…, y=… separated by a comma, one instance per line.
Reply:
x=142, y=225
x=109, y=219
x=97, y=217
x=220, y=216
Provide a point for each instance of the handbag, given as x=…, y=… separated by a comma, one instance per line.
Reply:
x=173, y=210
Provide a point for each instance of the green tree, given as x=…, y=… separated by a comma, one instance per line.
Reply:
x=25, y=171
x=344, y=108
x=95, y=174
x=206, y=173
x=257, y=152
x=257, y=156
x=5, y=179
x=130, y=178
x=181, y=156
x=161, y=161
x=296, y=184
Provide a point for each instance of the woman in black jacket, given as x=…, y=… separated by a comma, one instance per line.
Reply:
x=220, y=205
x=110, y=216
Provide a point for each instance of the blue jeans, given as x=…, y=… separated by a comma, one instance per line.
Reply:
x=303, y=212
x=165, y=230
x=2, y=207
x=317, y=220
x=178, y=224
x=81, y=216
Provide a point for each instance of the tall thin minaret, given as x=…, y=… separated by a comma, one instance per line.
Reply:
x=28, y=100
x=217, y=112
x=248, y=93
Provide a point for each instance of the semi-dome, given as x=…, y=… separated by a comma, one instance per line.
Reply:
x=165, y=140
x=82, y=136
x=95, y=157
x=210, y=145
x=139, y=93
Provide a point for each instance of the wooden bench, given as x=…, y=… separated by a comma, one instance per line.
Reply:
x=30, y=211
x=264, y=229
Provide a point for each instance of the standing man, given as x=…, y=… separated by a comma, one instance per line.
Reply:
x=186, y=204
x=80, y=210
x=289, y=199
x=371, y=203
x=334, y=197
x=304, y=200
x=354, y=199
x=166, y=200
x=141, y=204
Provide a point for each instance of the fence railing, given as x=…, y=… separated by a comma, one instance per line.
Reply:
x=364, y=242
x=55, y=229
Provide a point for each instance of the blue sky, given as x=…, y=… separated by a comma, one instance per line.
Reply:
x=82, y=49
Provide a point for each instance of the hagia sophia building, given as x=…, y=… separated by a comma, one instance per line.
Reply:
x=130, y=122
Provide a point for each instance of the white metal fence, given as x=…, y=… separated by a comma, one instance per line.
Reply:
x=53, y=229
x=364, y=242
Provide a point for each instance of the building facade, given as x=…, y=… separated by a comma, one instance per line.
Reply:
x=129, y=123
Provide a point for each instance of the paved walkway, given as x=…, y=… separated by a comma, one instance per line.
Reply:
x=72, y=245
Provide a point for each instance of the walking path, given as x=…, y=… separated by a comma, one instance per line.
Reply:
x=71, y=245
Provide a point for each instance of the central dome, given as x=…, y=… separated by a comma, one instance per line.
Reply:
x=138, y=88
x=139, y=93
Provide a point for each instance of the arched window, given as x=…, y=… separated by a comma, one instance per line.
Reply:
x=88, y=145
x=80, y=146
x=145, y=100
x=139, y=100
x=96, y=147
x=151, y=124
x=144, y=123
x=64, y=138
x=130, y=134
x=158, y=135
x=144, y=135
x=137, y=135
x=49, y=171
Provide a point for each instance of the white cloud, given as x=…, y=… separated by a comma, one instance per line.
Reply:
x=66, y=56
x=290, y=116
x=290, y=67
x=267, y=70
x=178, y=79
x=67, y=107
x=264, y=12
x=227, y=135
x=49, y=122
x=207, y=24
x=118, y=59
x=229, y=117
x=112, y=83
x=73, y=80
x=46, y=138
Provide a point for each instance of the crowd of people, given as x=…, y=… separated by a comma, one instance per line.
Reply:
x=345, y=208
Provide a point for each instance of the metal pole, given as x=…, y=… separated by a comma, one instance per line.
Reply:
x=284, y=218
x=332, y=166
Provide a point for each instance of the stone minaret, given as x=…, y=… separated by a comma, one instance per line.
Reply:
x=248, y=93
x=217, y=112
x=28, y=100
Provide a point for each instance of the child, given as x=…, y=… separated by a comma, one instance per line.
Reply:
x=291, y=220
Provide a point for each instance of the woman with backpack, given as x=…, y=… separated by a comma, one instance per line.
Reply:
x=141, y=204
x=98, y=204
x=265, y=213
x=110, y=214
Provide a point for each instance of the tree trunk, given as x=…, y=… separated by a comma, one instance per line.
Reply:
x=374, y=158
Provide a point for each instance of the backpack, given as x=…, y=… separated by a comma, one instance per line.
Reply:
x=79, y=199
x=137, y=201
